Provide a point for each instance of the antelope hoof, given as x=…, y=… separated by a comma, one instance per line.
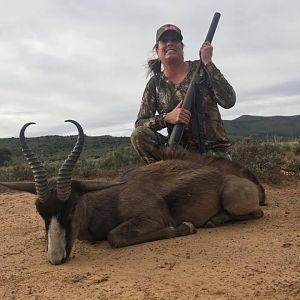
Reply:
x=191, y=227
x=210, y=224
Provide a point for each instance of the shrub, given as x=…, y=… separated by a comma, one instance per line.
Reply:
x=108, y=165
x=18, y=172
x=286, y=148
x=296, y=149
x=263, y=158
x=5, y=156
x=293, y=165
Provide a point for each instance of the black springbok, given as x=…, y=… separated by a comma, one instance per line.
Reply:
x=163, y=200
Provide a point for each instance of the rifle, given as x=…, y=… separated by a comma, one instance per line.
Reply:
x=188, y=101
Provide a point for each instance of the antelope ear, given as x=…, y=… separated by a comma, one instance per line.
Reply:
x=25, y=186
x=93, y=185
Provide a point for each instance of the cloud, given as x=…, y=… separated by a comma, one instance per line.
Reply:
x=86, y=60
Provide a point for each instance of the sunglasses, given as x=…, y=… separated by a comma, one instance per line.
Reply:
x=170, y=39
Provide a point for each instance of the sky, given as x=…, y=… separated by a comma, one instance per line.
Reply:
x=86, y=60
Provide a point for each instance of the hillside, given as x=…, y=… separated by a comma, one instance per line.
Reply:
x=264, y=127
x=56, y=147
x=52, y=148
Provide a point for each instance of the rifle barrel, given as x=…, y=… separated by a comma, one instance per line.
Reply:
x=178, y=129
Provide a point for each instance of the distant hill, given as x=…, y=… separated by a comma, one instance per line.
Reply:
x=264, y=127
x=58, y=147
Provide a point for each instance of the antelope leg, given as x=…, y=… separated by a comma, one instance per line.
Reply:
x=141, y=230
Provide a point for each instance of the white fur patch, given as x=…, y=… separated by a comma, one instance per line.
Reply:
x=56, y=242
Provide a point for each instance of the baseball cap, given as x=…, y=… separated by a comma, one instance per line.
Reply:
x=167, y=27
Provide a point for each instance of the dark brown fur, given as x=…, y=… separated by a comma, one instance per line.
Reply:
x=166, y=199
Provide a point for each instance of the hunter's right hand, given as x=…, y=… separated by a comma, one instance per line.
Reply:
x=178, y=115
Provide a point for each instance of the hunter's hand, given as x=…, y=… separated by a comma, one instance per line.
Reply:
x=206, y=52
x=178, y=115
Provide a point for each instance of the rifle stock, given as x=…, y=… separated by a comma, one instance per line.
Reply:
x=178, y=129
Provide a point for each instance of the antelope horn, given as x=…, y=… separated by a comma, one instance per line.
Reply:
x=65, y=172
x=38, y=170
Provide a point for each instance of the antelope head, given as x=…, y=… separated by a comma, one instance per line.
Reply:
x=55, y=202
x=59, y=200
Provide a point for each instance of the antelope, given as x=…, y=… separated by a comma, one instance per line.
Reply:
x=166, y=199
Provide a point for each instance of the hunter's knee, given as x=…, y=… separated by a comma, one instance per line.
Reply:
x=140, y=134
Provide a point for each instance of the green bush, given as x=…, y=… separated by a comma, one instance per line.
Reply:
x=5, y=156
x=16, y=173
x=108, y=165
x=296, y=148
x=286, y=148
x=263, y=158
x=293, y=166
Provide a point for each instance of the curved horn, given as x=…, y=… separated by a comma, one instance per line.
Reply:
x=39, y=172
x=65, y=172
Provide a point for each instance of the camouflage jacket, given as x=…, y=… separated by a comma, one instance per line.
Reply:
x=161, y=96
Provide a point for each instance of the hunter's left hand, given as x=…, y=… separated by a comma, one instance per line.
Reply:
x=206, y=52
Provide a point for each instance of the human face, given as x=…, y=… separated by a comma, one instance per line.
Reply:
x=169, y=47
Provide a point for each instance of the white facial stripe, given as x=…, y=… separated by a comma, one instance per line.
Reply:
x=56, y=242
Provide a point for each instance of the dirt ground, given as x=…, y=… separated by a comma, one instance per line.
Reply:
x=257, y=259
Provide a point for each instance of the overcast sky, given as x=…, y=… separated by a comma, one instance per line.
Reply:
x=85, y=60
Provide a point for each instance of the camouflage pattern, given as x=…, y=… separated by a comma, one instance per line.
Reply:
x=161, y=96
x=148, y=144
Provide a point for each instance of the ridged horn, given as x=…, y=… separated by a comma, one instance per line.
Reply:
x=65, y=172
x=39, y=172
